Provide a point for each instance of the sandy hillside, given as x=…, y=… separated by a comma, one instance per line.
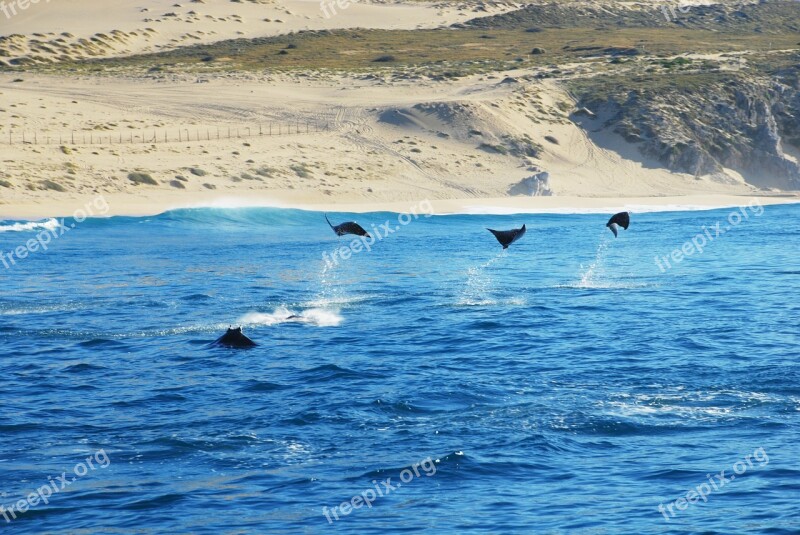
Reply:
x=299, y=137
x=367, y=142
x=60, y=29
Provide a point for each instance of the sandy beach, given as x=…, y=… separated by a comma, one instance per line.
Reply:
x=356, y=141
x=145, y=205
x=336, y=142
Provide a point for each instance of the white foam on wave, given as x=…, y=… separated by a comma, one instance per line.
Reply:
x=512, y=301
x=228, y=203
x=42, y=309
x=336, y=301
x=622, y=409
x=641, y=208
x=318, y=317
x=172, y=331
x=686, y=404
x=612, y=285
x=50, y=224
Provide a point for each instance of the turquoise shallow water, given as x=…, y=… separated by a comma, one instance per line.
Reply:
x=566, y=385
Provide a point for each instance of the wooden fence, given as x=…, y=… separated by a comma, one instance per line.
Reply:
x=169, y=135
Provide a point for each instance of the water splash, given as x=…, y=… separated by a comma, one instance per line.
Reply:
x=317, y=317
x=480, y=284
x=330, y=289
x=594, y=274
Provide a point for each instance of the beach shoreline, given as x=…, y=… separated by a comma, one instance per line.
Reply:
x=384, y=147
x=513, y=138
x=143, y=206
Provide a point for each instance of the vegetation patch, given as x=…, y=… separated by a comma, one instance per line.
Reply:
x=495, y=149
x=142, y=178
x=52, y=186
x=301, y=170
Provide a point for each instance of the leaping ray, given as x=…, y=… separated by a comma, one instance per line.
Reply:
x=622, y=219
x=507, y=237
x=348, y=227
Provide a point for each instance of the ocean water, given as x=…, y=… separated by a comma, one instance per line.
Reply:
x=566, y=385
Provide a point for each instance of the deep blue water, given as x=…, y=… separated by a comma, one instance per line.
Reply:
x=566, y=385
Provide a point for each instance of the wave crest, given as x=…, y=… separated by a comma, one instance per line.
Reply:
x=19, y=226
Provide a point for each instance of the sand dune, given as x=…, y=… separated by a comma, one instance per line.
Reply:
x=484, y=137
x=51, y=32
x=299, y=138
